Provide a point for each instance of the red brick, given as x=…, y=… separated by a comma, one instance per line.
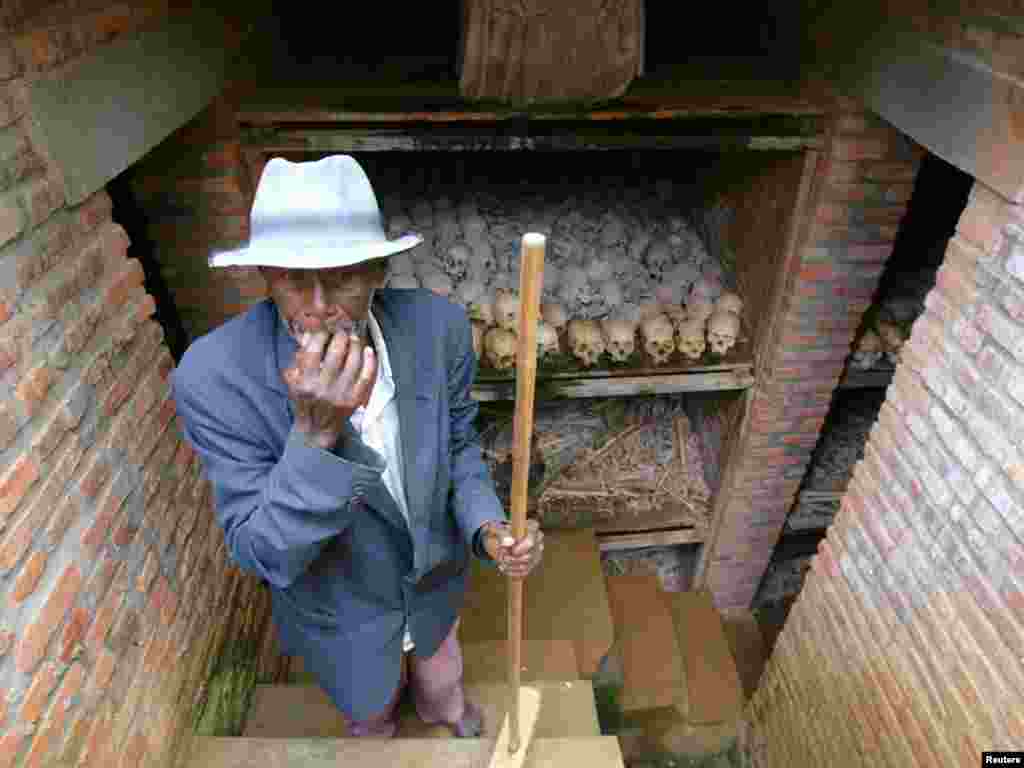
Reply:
x=42, y=197
x=33, y=387
x=10, y=745
x=38, y=695
x=982, y=221
x=16, y=543
x=29, y=577
x=74, y=632
x=103, y=621
x=15, y=483
x=846, y=149
x=32, y=644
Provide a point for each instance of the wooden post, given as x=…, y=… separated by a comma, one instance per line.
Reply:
x=531, y=276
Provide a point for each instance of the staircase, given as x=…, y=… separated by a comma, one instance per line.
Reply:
x=574, y=622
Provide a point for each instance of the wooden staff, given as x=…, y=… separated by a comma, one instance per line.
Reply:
x=531, y=277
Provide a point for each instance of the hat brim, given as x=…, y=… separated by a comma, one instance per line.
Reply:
x=321, y=255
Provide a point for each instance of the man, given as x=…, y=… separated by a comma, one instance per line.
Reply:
x=335, y=423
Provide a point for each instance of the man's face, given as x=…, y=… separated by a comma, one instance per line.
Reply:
x=336, y=300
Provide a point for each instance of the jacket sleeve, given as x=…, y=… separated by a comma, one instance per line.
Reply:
x=277, y=512
x=473, y=498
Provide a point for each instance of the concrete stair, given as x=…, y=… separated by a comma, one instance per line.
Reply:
x=567, y=630
x=682, y=693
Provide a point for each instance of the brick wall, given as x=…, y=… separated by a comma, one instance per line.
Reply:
x=113, y=576
x=196, y=192
x=909, y=633
x=859, y=186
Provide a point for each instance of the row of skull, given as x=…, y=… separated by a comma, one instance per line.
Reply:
x=663, y=330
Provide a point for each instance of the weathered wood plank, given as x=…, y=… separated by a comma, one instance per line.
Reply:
x=610, y=542
x=623, y=386
x=388, y=140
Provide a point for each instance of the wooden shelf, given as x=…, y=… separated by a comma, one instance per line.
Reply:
x=292, y=114
x=613, y=541
x=560, y=376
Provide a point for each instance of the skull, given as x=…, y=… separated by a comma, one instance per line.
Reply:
x=618, y=339
x=482, y=310
x=475, y=227
x=657, y=257
x=448, y=231
x=690, y=341
x=723, y=328
x=554, y=314
x=401, y=264
x=456, y=260
x=586, y=341
x=547, y=339
x=506, y=311
x=699, y=309
x=552, y=277
x=729, y=302
x=423, y=214
x=439, y=283
x=611, y=294
x=892, y=340
x=649, y=309
x=659, y=343
x=479, y=330
x=500, y=346
x=469, y=292
x=403, y=282
x=638, y=245
x=482, y=264
x=398, y=225
x=868, y=351
x=599, y=269
x=707, y=287
x=613, y=232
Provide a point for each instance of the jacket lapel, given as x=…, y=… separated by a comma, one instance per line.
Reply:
x=402, y=356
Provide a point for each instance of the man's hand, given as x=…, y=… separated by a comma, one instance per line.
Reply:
x=327, y=385
x=514, y=558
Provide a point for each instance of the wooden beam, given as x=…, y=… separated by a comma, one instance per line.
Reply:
x=124, y=98
x=391, y=140
x=611, y=542
x=623, y=386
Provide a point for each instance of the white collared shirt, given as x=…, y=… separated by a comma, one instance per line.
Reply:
x=378, y=425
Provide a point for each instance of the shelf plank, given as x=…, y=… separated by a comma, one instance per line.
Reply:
x=391, y=140
x=610, y=542
x=622, y=386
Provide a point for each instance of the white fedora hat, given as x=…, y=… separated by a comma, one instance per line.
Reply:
x=312, y=215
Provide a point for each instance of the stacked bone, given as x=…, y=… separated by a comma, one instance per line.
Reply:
x=612, y=270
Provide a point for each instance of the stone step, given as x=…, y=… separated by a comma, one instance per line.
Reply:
x=713, y=690
x=214, y=752
x=645, y=638
x=563, y=599
x=486, y=662
x=568, y=710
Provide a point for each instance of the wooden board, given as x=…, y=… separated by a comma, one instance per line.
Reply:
x=526, y=723
x=612, y=542
x=713, y=691
x=216, y=752
x=646, y=641
x=624, y=386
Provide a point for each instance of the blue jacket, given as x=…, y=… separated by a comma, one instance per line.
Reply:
x=344, y=567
